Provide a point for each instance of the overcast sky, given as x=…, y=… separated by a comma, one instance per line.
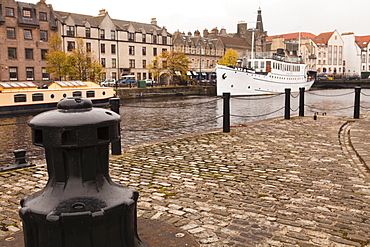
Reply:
x=279, y=16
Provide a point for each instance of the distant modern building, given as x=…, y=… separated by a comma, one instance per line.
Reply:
x=25, y=29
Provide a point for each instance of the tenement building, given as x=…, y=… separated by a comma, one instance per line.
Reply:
x=122, y=47
x=24, y=33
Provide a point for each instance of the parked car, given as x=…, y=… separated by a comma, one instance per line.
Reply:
x=108, y=83
x=127, y=83
x=150, y=82
x=324, y=77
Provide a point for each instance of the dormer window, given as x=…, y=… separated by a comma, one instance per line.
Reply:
x=43, y=16
x=26, y=13
x=70, y=31
x=131, y=36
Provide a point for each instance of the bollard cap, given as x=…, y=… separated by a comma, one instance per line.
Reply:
x=74, y=103
x=75, y=124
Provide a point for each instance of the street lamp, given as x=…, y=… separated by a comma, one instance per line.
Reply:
x=200, y=64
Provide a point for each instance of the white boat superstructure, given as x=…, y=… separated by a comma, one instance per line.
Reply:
x=263, y=76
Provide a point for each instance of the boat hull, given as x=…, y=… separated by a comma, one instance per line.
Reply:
x=242, y=83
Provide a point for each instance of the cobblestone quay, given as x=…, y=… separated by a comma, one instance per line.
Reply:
x=298, y=182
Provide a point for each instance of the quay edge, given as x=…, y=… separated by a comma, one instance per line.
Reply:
x=127, y=93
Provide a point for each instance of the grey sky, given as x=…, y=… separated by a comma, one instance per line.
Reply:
x=279, y=16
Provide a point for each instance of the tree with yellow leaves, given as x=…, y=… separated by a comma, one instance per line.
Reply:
x=230, y=58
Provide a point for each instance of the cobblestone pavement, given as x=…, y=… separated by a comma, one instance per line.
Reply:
x=297, y=182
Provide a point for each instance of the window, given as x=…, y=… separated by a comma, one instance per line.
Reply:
x=114, y=63
x=45, y=75
x=27, y=34
x=112, y=34
x=29, y=74
x=13, y=73
x=10, y=32
x=114, y=75
x=102, y=33
x=131, y=50
x=103, y=62
x=144, y=38
x=88, y=32
x=70, y=31
x=43, y=16
x=144, y=64
x=88, y=47
x=38, y=97
x=164, y=40
x=131, y=36
x=90, y=94
x=330, y=55
x=20, y=98
x=12, y=53
x=26, y=13
x=113, y=49
x=335, y=57
x=9, y=11
x=77, y=94
x=70, y=45
x=43, y=54
x=155, y=52
x=44, y=35
x=144, y=51
x=154, y=39
x=29, y=53
x=132, y=63
x=102, y=48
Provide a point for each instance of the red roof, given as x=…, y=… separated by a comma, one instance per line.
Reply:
x=323, y=38
x=362, y=41
x=291, y=36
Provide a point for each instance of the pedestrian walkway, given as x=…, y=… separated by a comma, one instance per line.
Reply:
x=297, y=182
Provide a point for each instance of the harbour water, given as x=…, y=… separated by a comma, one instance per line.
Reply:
x=151, y=119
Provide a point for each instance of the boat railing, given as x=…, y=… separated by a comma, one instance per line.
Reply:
x=274, y=56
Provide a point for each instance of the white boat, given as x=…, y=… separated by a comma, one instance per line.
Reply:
x=26, y=97
x=259, y=76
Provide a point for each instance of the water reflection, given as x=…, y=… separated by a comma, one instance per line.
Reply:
x=157, y=118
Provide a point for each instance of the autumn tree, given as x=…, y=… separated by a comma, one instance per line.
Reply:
x=170, y=62
x=78, y=64
x=155, y=68
x=57, y=59
x=83, y=66
x=230, y=58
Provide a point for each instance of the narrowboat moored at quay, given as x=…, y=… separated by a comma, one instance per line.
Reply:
x=26, y=97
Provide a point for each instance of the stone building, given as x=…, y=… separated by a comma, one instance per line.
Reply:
x=203, y=53
x=24, y=34
x=122, y=47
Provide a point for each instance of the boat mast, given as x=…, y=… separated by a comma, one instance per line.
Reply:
x=253, y=30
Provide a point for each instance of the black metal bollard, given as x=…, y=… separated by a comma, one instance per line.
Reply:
x=287, y=103
x=356, y=113
x=116, y=145
x=80, y=205
x=301, y=101
x=19, y=161
x=226, y=117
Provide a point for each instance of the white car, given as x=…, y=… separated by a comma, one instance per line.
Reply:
x=108, y=83
x=150, y=82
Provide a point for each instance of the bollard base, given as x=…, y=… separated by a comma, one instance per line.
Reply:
x=154, y=233
x=15, y=166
